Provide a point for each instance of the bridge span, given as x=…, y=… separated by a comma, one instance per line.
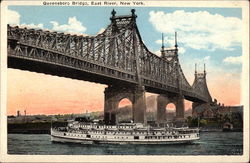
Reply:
x=116, y=57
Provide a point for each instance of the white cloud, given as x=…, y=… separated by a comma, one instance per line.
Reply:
x=13, y=17
x=32, y=25
x=101, y=30
x=158, y=53
x=207, y=58
x=73, y=26
x=181, y=50
x=233, y=60
x=199, y=30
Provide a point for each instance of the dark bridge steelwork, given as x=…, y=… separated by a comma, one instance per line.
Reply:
x=116, y=57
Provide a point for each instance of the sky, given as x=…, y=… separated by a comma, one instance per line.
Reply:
x=205, y=35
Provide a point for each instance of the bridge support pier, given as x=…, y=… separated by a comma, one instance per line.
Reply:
x=139, y=107
x=163, y=101
x=114, y=94
x=180, y=108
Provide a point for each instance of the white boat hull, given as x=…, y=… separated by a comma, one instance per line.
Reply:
x=111, y=139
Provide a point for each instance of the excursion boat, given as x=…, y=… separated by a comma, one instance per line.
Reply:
x=124, y=133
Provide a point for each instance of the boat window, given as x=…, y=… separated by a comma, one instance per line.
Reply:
x=88, y=136
x=136, y=137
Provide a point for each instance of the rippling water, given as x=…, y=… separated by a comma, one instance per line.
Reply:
x=211, y=143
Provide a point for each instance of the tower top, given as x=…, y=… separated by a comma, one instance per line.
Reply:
x=200, y=74
x=162, y=41
x=205, y=69
x=176, y=40
x=113, y=13
x=112, y=18
x=133, y=11
x=134, y=16
x=195, y=68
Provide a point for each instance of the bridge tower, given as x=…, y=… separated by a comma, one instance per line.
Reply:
x=117, y=91
x=200, y=84
x=171, y=56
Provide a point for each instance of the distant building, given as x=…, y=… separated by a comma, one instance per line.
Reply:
x=18, y=114
x=213, y=109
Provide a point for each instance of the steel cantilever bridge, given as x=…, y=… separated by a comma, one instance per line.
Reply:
x=116, y=57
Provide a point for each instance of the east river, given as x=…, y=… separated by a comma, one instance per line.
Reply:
x=210, y=143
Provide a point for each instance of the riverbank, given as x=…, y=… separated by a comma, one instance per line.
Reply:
x=33, y=127
x=44, y=128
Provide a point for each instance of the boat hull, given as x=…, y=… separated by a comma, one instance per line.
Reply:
x=65, y=139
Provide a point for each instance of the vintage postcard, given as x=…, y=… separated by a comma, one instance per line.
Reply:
x=124, y=81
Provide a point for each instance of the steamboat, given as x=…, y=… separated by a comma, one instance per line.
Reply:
x=124, y=133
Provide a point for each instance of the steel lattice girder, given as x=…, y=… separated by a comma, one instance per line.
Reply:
x=114, y=49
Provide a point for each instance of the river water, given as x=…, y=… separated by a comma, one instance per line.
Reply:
x=210, y=143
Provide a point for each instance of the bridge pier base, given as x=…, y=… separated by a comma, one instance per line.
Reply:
x=139, y=106
x=114, y=94
x=180, y=108
x=163, y=101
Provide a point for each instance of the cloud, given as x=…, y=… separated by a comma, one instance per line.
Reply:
x=233, y=60
x=199, y=30
x=158, y=53
x=73, y=26
x=13, y=17
x=181, y=50
x=101, y=30
x=32, y=25
x=207, y=58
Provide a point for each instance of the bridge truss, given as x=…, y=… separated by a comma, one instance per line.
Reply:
x=116, y=57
